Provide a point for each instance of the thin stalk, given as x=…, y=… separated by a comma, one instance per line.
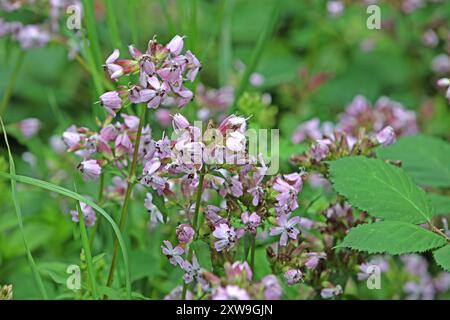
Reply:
x=131, y=6
x=94, y=44
x=130, y=185
x=252, y=252
x=87, y=251
x=195, y=222
x=257, y=51
x=12, y=82
x=112, y=24
x=166, y=12
x=100, y=201
x=225, y=45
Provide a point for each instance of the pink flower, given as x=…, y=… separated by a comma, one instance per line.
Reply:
x=226, y=235
x=88, y=214
x=252, y=221
x=185, y=233
x=272, y=288
x=331, y=292
x=293, y=276
x=109, y=133
x=193, y=272
x=115, y=71
x=307, y=130
x=174, y=254
x=163, y=117
x=111, y=101
x=230, y=292
x=386, y=136
x=90, y=169
x=175, y=45
x=313, y=259
x=29, y=127
x=320, y=150
x=193, y=66
x=286, y=228
x=180, y=122
x=123, y=144
x=71, y=139
x=238, y=270
x=132, y=122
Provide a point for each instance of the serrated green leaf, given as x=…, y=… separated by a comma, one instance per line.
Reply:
x=383, y=190
x=440, y=203
x=442, y=257
x=425, y=159
x=392, y=237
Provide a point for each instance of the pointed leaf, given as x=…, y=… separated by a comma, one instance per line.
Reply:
x=381, y=189
x=442, y=257
x=393, y=237
x=425, y=159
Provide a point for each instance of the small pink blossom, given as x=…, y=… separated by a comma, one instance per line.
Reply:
x=286, y=228
x=29, y=127
x=90, y=169
x=293, y=276
x=185, y=233
x=174, y=254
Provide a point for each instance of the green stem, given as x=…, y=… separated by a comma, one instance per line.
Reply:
x=195, y=222
x=112, y=24
x=252, y=252
x=130, y=185
x=100, y=200
x=87, y=251
x=12, y=82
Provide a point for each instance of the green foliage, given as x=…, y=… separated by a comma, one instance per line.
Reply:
x=425, y=159
x=393, y=237
x=252, y=105
x=442, y=257
x=383, y=190
x=440, y=202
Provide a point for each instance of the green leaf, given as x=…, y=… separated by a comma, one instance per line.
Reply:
x=440, y=202
x=393, y=237
x=425, y=159
x=442, y=257
x=203, y=253
x=382, y=190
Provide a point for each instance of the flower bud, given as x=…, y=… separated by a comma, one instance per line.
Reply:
x=185, y=233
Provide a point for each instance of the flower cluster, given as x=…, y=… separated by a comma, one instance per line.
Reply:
x=162, y=72
x=36, y=34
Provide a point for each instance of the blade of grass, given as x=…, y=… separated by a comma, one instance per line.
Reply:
x=166, y=12
x=225, y=45
x=214, y=32
x=87, y=249
x=263, y=38
x=131, y=9
x=12, y=82
x=112, y=24
x=193, y=27
x=33, y=267
x=73, y=195
x=94, y=44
